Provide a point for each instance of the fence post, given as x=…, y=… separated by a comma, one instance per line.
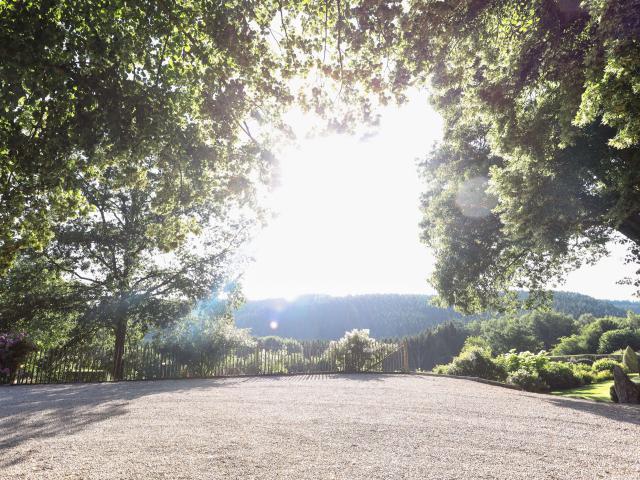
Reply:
x=405, y=356
x=258, y=358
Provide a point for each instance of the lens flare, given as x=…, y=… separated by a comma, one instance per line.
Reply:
x=472, y=198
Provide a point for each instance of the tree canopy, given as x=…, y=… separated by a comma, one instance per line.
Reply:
x=92, y=85
x=540, y=165
x=134, y=135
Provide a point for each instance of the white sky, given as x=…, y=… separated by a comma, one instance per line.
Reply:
x=347, y=216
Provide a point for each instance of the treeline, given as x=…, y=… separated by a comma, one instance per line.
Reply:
x=385, y=315
x=554, y=332
x=324, y=317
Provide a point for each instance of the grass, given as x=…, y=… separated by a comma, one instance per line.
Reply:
x=597, y=392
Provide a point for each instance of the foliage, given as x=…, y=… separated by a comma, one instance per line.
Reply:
x=526, y=332
x=436, y=346
x=532, y=372
x=630, y=360
x=97, y=86
x=613, y=340
x=473, y=361
x=528, y=380
x=354, y=351
x=289, y=345
x=36, y=299
x=207, y=333
x=538, y=166
x=606, y=365
x=589, y=338
x=506, y=333
x=14, y=347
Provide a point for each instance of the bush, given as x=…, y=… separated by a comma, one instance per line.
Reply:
x=583, y=373
x=613, y=340
x=532, y=362
x=528, y=380
x=561, y=376
x=571, y=345
x=291, y=345
x=630, y=359
x=606, y=365
x=474, y=361
x=14, y=347
x=535, y=372
x=354, y=351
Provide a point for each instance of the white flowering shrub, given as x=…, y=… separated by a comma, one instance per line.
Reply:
x=355, y=351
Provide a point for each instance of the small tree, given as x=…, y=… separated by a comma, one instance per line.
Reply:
x=618, y=339
x=354, y=351
x=630, y=360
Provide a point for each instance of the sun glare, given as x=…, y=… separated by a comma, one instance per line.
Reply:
x=347, y=214
x=348, y=211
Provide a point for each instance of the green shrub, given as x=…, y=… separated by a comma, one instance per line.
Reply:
x=603, y=376
x=291, y=345
x=473, y=361
x=512, y=361
x=605, y=364
x=583, y=373
x=571, y=345
x=630, y=359
x=560, y=376
x=528, y=380
x=355, y=351
x=613, y=340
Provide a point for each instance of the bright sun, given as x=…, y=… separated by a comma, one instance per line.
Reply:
x=348, y=211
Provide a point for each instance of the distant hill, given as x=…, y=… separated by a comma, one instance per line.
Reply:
x=385, y=315
x=576, y=304
x=626, y=305
x=324, y=317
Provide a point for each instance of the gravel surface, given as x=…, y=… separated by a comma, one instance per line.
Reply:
x=311, y=427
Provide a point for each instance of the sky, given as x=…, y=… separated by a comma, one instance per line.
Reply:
x=347, y=212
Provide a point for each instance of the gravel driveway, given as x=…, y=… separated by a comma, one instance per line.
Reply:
x=311, y=427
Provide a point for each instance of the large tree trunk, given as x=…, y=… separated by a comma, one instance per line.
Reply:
x=118, y=352
x=630, y=228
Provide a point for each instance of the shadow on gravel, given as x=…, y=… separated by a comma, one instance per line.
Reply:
x=45, y=411
x=612, y=411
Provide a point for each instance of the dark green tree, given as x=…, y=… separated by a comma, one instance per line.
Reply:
x=538, y=168
x=143, y=256
x=88, y=85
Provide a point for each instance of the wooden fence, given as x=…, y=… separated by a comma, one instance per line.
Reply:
x=149, y=362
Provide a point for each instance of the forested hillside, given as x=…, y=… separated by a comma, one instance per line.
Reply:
x=386, y=315
x=325, y=317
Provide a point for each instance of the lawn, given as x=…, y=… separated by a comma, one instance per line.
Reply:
x=598, y=392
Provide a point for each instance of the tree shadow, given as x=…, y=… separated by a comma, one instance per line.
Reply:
x=613, y=411
x=45, y=411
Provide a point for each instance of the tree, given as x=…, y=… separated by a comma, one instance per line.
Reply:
x=549, y=327
x=507, y=333
x=619, y=339
x=145, y=255
x=36, y=298
x=539, y=167
x=87, y=85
